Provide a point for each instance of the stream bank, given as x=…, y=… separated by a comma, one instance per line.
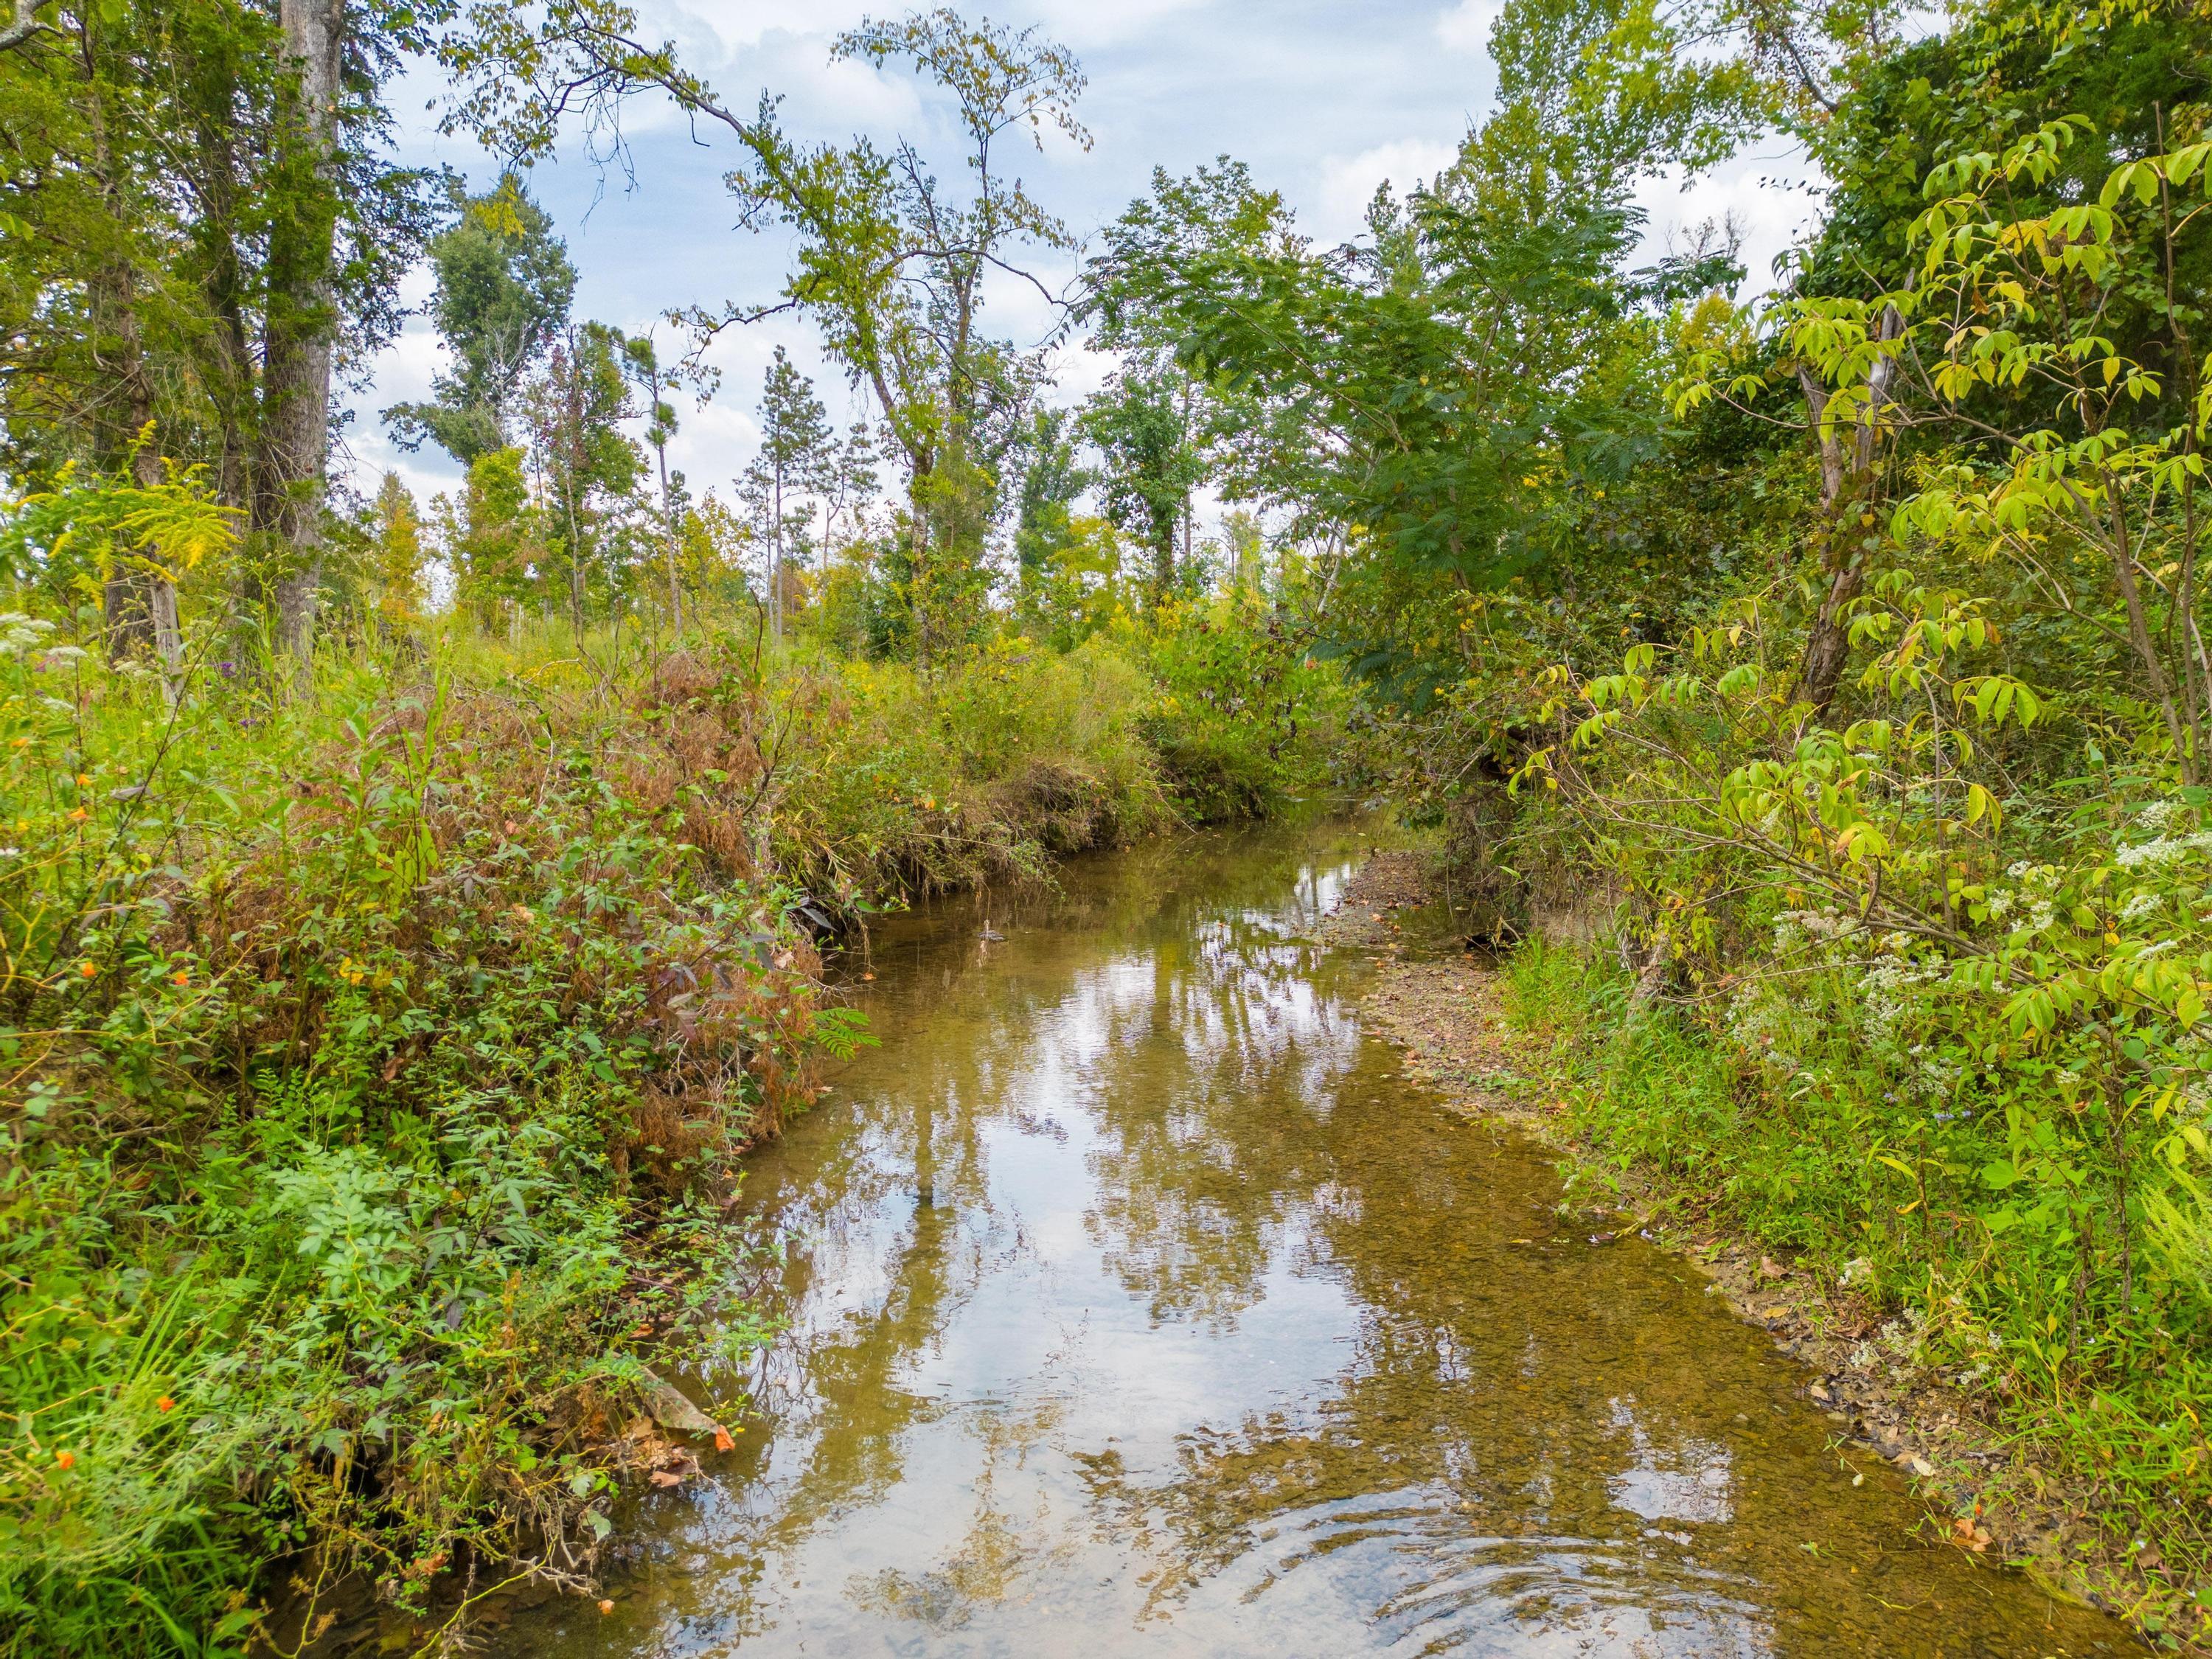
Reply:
x=1132, y=1301
x=1449, y=1011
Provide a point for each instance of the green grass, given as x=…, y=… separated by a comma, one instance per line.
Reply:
x=382, y=1048
x=1776, y=1107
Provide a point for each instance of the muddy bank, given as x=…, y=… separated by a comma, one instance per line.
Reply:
x=1442, y=1006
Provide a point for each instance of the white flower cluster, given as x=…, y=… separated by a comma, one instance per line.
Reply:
x=2141, y=906
x=1821, y=925
x=1884, y=1017
x=2158, y=815
x=2039, y=883
x=20, y=633
x=2163, y=851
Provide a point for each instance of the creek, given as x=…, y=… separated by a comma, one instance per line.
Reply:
x=1132, y=1304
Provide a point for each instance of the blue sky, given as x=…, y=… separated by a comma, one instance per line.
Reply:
x=1324, y=99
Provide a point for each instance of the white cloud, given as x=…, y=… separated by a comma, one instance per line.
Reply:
x=1106, y=22
x=1348, y=182
x=1467, y=26
x=735, y=26
x=1762, y=194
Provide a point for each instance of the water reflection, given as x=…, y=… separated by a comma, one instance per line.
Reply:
x=1134, y=1307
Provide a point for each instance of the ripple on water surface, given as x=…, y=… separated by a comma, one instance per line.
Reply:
x=1134, y=1307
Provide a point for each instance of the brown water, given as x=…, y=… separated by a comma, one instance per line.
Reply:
x=1135, y=1307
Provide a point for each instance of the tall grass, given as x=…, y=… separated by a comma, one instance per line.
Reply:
x=380, y=1045
x=1792, y=1108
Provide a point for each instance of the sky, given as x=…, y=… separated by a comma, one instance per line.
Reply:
x=1324, y=99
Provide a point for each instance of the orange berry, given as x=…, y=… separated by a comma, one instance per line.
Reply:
x=165, y=1404
x=65, y=1460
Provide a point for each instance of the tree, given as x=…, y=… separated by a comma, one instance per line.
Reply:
x=590, y=467
x=494, y=538
x=1142, y=424
x=891, y=265
x=851, y=483
x=797, y=454
x=396, y=540
x=1052, y=478
x=1246, y=548
x=504, y=284
x=657, y=380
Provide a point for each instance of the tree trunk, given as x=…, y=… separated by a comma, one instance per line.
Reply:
x=294, y=440
x=1849, y=533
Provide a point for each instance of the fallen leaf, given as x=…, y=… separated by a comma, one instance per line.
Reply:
x=663, y=1478
x=1770, y=1268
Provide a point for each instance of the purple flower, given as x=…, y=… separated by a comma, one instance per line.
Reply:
x=227, y=668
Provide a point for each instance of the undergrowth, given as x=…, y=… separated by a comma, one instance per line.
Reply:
x=379, y=1051
x=1784, y=1108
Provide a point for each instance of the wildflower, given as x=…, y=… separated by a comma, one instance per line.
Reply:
x=88, y=968
x=165, y=1404
x=64, y=1460
x=180, y=979
x=606, y=1607
x=227, y=668
x=78, y=815
x=84, y=780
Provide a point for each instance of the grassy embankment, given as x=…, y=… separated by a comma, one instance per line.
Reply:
x=1772, y=1115
x=379, y=1056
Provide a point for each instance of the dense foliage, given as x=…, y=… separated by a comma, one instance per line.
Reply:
x=410, y=907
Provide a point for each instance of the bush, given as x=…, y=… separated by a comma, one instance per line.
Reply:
x=377, y=1055
x=380, y=1053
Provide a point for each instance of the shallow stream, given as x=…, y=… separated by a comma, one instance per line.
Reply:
x=1136, y=1306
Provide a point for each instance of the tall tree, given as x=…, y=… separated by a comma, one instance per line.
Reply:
x=396, y=539
x=658, y=381
x=1142, y=423
x=1052, y=477
x=297, y=351
x=892, y=263
x=796, y=453
x=591, y=468
x=504, y=284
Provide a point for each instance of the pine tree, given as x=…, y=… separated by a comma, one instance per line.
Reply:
x=399, y=552
x=797, y=454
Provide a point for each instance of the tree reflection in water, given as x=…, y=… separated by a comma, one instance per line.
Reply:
x=1134, y=1306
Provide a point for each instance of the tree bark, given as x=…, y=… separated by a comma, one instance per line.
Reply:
x=294, y=440
x=1847, y=501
